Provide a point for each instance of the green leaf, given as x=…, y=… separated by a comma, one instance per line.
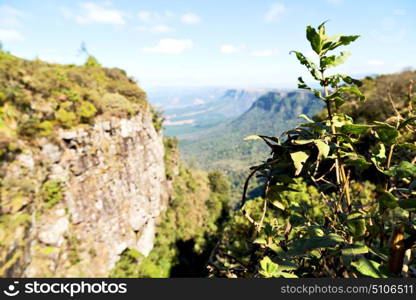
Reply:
x=407, y=122
x=303, y=85
x=359, y=163
x=260, y=241
x=334, y=80
x=310, y=65
x=386, y=133
x=355, y=249
x=288, y=275
x=278, y=204
x=314, y=39
x=369, y=268
x=347, y=39
x=356, y=224
x=354, y=128
x=408, y=146
x=323, y=148
x=270, y=269
x=387, y=199
x=299, y=158
x=303, y=245
x=284, y=178
x=333, y=60
x=404, y=169
x=303, y=142
x=408, y=204
x=252, y=137
x=306, y=118
x=342, y=41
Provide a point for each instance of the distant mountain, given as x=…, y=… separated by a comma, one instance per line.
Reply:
x=223, y=147
x=274, y=112
x=206, y=114
x=169, y=98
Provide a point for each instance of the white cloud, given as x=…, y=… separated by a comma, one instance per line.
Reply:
x=94, y=13
x=231, y=49
x=155, y=22
x=263, y=53
x=375, y=63
x=274, y=12
x=10, y=20
x=170, y=46
x=153, y=17
x=10, y=35
x=190, y=18
x=199, y=101
x=10, y=17
x=156, y=28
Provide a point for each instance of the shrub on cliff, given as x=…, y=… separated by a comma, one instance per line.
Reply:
x=36, y=96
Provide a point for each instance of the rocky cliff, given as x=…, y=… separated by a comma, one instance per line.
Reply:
x=112, y=185
x=82, y=169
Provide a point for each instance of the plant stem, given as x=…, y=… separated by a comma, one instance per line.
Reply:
x=342, y=180
x=333, y=129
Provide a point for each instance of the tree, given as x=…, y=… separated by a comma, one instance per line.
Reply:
x=91, y=60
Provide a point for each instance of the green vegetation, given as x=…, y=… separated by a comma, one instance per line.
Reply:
x=337, y=197
x=52, y=192
x=36, y=97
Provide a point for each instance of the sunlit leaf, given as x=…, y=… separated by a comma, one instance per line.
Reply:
x=299, y=158
x=314, y=38
x=354, y=128
x=323, y=148
x=333, y=60
x=356, y=224
x=387, y=199
x=387, y=133
x=355, y=250
x=359, y=163
x=252, y=137
x=278, y=204
x=306, y=118
x=407, y=122
x=403, y=169
x=369, y=268
x=301, y=246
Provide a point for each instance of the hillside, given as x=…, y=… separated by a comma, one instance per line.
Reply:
x=377, y=90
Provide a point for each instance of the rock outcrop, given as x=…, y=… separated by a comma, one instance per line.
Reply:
x=82, y=198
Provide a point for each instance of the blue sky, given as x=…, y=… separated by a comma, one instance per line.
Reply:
x=208, y=43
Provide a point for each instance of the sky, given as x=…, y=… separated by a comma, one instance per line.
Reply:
x=209, y=43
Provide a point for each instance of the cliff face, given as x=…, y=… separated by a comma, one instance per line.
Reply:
x=82, y=173
x=112, y=186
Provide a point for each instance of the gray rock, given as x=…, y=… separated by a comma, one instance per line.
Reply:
x=145, y=242
x=52, y=152
x=52, y=233
x=67, y=135
x=27, y=160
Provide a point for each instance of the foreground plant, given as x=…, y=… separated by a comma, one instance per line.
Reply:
x=362, y=223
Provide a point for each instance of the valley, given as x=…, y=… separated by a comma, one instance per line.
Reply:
x=211, y=134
